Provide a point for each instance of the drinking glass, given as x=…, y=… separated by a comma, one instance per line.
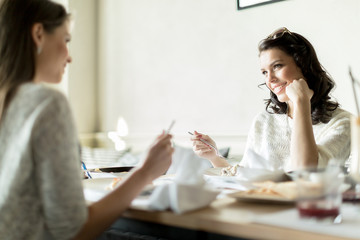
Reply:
x=319, y=194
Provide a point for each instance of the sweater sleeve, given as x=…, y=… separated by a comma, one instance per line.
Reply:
x=56, y=153
x=334, y=141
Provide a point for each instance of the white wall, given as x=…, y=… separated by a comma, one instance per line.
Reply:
x=196, y=61
x=82, y=77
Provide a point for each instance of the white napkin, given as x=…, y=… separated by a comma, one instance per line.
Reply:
x=188, y=190
x=255, y=160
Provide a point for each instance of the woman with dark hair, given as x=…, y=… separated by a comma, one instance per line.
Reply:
x=41, y=194
x=301, y=127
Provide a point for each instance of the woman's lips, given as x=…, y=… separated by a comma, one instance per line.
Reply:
x=279, y=88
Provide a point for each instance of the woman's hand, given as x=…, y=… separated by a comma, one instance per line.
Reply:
x=159, y=157
x=298, y=91
x=104, y=212
x=202, y=149
x=303, y=148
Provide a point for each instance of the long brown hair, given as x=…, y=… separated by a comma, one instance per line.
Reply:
x=317, y=78
x=17, y=48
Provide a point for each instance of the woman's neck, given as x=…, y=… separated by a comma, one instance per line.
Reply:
x=290, y=109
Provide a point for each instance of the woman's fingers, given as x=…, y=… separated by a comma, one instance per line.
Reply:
x=200, y=145
x=163, y=138
x=204, y=150
x=162, y=146
x=299, y=89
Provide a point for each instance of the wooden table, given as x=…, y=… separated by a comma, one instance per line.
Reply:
x=227, y=217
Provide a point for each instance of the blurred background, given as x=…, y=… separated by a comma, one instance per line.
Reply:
x=139, y=64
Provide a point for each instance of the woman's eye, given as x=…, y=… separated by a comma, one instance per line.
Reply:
x=277, y=66
x=264, y=73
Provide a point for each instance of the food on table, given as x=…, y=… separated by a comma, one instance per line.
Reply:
x=230, y=171
x=286, y=189
x=115, y=182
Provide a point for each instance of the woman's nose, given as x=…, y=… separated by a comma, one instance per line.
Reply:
x=271, y=77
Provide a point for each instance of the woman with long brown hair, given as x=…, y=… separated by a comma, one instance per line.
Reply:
x=41, y=194
x=301, y=126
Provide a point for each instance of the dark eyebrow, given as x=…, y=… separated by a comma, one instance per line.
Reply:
x=273, y=63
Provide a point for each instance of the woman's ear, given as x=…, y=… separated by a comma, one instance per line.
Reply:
x=37, y=33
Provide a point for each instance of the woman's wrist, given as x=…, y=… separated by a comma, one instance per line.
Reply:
x=219, y=161
x=143, y=173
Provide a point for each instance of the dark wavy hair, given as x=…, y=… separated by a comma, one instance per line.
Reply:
x=317, y=78
x=17, y=48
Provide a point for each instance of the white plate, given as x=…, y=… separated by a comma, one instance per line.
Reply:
x=213, y=171
x=260, y=198
x=267, y=198
x=214, y=179
x=97, y=184
x=250, y=174
x=97, y=188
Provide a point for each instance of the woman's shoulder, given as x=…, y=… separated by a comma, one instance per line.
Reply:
x=31, y=98
x=340, y=118
x=32, y=103
x=34, y=94
x=39, y=91
x=340, y=114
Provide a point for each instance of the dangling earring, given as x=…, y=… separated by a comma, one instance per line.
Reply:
x=38, y=51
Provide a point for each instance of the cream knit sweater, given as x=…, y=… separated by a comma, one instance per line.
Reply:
x=270, y=137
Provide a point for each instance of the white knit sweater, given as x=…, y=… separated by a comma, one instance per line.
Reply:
x=270, y=137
